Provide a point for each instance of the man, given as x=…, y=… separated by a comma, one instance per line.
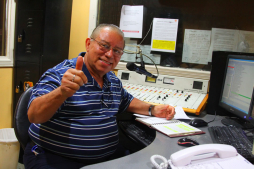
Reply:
x=73, y=106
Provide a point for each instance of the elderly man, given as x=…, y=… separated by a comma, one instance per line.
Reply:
x=73, y=106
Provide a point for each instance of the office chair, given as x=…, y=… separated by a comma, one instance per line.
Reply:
x=21, y=122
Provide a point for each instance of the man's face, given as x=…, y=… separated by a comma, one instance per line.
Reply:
x=102, y=61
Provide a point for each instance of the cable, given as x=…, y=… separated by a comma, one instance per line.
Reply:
x=213, y=118
x=153, y=63
x=146, y=33
x=163, y=165
x=131, y=52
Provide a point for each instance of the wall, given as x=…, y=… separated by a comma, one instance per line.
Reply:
x=6, y=89
x=78, y=35
x=79, y=27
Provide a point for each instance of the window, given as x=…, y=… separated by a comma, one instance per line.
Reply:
x=2, y=28
x=7, y=27
x=175, y=71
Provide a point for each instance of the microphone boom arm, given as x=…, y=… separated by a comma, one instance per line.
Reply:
x=142, y=63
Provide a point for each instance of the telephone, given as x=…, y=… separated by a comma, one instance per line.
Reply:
x=185, y=156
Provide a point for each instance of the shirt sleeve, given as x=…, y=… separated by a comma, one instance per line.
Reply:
x=51, y=79
x=126, y=99
x=48, y=82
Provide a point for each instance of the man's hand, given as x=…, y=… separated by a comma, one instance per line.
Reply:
x=73, y=79
x=165, y=111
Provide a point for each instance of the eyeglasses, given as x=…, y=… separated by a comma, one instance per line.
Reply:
x=106, y=47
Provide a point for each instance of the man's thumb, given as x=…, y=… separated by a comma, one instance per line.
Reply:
x=79, y=63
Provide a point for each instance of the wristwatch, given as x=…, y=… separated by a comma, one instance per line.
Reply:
x=150, y=110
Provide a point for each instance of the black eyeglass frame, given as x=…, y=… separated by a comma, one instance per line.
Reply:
x=106, y=47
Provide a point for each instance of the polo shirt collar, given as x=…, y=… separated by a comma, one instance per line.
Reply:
x=90, y=79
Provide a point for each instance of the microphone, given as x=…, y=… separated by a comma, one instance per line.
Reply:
x=133, y=67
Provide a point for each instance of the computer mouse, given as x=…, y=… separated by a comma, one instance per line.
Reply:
x=198, y=123
x=187, y=142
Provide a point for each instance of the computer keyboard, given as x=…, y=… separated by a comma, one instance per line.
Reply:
x=136, y=133
x=234, y=136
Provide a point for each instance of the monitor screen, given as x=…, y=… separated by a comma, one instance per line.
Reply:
x=237, y=86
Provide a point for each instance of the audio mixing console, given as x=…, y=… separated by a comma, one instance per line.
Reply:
x=189, y=93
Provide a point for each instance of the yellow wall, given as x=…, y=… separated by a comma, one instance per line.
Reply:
x=6, y=89
x=78, y=35
x=79, y=27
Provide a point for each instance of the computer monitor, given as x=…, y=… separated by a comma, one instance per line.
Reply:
x=237, y=88
x=251, y=111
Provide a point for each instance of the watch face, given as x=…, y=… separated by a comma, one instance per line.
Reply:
x=150, y=110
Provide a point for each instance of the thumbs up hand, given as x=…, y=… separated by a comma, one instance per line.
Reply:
x=73, y=79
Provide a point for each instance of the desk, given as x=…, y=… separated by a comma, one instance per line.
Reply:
x=162, y=145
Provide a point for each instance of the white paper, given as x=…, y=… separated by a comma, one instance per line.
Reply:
x=223, y=40
x=164, y=34
x=196, y=46
x=246, y=42
x=140, y=115
x=154, y=120
x=180, y=114
x=176, y=128
x=131, y=21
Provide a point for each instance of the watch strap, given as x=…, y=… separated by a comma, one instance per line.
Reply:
x=150, y=110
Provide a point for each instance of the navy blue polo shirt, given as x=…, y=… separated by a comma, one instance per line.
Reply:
x=84, y=127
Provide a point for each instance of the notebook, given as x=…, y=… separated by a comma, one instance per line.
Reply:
x=171, y=128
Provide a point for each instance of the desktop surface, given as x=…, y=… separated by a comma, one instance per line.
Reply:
x=162, y=145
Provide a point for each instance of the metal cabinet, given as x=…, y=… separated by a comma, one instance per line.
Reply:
x=41, y=39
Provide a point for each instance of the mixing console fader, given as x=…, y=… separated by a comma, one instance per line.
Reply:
x=189, y=93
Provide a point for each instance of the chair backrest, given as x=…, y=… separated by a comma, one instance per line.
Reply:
x=21, y=122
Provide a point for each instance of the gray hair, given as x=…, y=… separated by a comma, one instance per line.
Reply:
x=97, y=30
